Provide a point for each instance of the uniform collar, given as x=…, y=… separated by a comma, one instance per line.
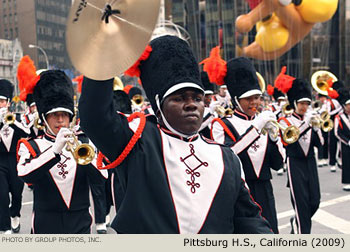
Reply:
x=242, y=115
x=170, y=133
x=49, y=137
x=296, y=115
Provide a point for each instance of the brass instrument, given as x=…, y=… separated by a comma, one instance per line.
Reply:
x=290, y=134
x=82, y=153
x=287, y=109
x=262, y=83
x=316, y=105
x=319, y=81
x=137, y=100
x=322, y=121
x=9, y=118
x=94, y=28
x=38, y=124
x=117, y=84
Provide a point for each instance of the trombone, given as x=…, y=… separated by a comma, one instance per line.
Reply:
x=82, y=153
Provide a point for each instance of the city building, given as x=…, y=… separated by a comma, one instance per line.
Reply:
x=40, y=26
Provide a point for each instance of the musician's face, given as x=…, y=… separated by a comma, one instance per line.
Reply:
x=58, y=120
x=184, y=110
x=250, y=104
x=302, y=107
x=3, y=103
x=207, y=99
x=32, y=109
x=347, y=109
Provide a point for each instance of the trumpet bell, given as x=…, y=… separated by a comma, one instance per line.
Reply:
x=327, y=125
x=9, y=118
x=320, y=80
x=287, y=109
x=291, y=134
x=138, y=100
x=37, y=124
x=84, y=154
x=316, y=105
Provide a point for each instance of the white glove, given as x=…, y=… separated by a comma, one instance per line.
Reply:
x=62, y=137
x=309, y=115
x=3, y=111
x=349, y=143
x=262, y=119
x=285, y=2
x=212, y=107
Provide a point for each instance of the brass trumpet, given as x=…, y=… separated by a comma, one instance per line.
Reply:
x=290, y=134
x=137, y=100
x=287, y=109
x=82, y=153
x=38, y=124
x=316, y=105
x=322, y=121
x=9, y=118
x=222, y=112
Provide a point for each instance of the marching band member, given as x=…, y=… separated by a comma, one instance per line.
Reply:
x=61, y=185
x=28, y=119
x=171, y=184
x=11, y=130
x=323, y=149
x=280, y=100
x=209, y=105
x=333, y=107
x=342, y=132
x=242, y=132
x=301, y=163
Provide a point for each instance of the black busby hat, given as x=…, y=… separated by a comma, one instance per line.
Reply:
x=300, y=91
x=241, y=78
x=134, y=91
x=6, y=89
x=54, y=92
x=167, y=65
x=122, y=102
x=278, y=95
x=338, y=85
x=208, y=86
x=30, y=100
x=344, y=96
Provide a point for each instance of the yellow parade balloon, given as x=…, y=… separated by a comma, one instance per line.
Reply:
x=271, y=34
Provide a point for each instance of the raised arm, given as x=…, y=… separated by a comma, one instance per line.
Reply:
x=108, y=130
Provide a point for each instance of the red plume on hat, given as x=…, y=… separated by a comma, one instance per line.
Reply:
x=283, y=81
x=79, y=81
x=270, y=89
x=332, y=93
x=134, y=70
x=215, y=66
x=27, y=77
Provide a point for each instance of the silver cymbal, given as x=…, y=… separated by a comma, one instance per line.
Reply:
x=101, y=45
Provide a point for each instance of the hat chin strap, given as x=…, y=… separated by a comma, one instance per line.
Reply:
x=166, y=122
x=239, y=105
x=47, y=125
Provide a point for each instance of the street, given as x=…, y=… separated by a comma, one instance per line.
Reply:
x=331, y=218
